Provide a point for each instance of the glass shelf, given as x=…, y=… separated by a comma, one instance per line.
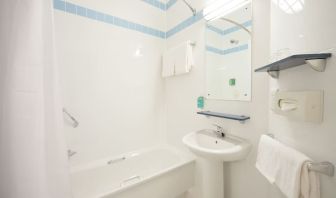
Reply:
x=240, y=118
x=316, y=61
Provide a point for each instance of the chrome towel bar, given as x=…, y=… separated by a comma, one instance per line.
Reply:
x=325, y=168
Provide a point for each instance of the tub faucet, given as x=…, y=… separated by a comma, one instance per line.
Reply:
x=71, y=153
x=219, y=131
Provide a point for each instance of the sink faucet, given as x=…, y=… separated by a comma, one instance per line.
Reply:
x=219, y=131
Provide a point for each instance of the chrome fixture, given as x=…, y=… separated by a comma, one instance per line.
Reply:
x=116, y=160
x=71, y=153
x=325, y=168
x=193, y=10
x=219, y=131
x=75, y=123
x=237, y=24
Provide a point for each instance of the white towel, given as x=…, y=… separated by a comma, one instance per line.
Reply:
x=168, y=64
x=310, y=183
x=267, y=157
x=183, y=58
x=178, y=60
x=288, y=175
x=287, y=168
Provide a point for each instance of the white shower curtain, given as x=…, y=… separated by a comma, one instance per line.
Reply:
x=33, y=161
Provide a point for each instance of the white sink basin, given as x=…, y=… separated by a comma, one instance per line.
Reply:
x=207, y=144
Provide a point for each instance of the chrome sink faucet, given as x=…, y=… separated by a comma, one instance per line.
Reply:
x=220, y=132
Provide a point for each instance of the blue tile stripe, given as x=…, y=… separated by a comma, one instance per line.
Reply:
x=106, y=18
x=162, y=6
x=114, y=20
x=170, y=3
x=157, y=4
x=227, y=51
x=184, y=24
x=229, y=30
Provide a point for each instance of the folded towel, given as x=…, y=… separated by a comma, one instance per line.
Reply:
x=267, y=158
x=183, y=58
x=168, y=64
x=310, y=183
x=178, y=60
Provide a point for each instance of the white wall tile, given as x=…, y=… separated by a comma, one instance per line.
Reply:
x=307, y=31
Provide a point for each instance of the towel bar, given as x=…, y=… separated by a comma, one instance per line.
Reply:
x=325, y=168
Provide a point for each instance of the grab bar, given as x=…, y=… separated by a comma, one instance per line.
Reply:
x=75, y=123
x=325, y=168
x=130, y=179
x=112, y=161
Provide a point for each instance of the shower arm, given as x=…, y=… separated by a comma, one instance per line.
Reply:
x=193, y=10
x=237, y=24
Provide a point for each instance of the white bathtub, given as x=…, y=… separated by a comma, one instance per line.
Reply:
x=160, y=172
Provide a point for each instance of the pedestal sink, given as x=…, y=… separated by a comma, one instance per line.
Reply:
x=213, y=150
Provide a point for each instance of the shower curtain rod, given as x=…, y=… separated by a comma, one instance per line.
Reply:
x=193, y=10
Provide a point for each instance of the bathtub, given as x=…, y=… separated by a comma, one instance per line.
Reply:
x=160, y=172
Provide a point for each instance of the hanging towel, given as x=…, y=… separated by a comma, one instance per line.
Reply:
x=288, y=176
x=178, y=60
x=267, y=158
x=310, y=183
x=168, y=64
x=183, y=58
x=287, y=168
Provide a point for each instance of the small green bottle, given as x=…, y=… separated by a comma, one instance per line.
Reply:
x=200, y=102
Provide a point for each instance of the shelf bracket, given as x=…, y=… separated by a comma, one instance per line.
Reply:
x=317, y=64
x=273, y=74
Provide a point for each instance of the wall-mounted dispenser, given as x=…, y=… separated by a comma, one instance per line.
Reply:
x=304, y=106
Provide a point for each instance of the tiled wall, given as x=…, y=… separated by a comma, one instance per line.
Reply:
x=309, y=28
x=111, y=19
x=181, y=95
x=109, y=56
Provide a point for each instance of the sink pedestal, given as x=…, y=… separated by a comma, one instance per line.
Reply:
x=212, y=176
x=212, y=152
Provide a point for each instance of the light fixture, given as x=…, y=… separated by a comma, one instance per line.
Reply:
x=219, y=8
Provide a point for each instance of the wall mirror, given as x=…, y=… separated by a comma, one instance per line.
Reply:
x=228, y=51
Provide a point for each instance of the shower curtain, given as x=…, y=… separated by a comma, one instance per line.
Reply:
x=33, y=159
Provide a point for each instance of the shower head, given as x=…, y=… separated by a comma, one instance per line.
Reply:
x=193, y=10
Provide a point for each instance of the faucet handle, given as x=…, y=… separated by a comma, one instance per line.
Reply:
x=220, y=130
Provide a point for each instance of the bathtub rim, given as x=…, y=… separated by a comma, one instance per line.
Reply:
x=184, y=159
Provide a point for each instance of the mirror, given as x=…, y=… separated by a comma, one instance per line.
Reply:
x=228, y=55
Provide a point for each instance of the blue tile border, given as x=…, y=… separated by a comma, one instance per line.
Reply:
x=156, y=3
x=161, y=5
x=184, y=24
x=113, y=20
x=170, y=3
x=229, y=30
x=106, y=18
x=227, y=51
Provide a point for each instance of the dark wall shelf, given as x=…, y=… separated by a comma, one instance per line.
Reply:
x=240, y=118
x=316, y=61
